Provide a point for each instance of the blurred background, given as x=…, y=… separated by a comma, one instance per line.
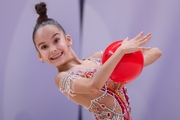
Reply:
x=27, y=89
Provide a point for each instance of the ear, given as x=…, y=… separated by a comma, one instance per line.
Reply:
x=40, y=57
x=69, y=40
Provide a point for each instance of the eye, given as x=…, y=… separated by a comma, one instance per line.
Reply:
x=56, y=40
x=44, y=47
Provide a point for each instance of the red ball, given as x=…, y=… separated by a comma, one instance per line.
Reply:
x=128, y=68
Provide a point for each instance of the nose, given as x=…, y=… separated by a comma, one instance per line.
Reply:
x=53, y=49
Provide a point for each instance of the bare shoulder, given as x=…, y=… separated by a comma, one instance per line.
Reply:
x=97, y=54
x=58, y=77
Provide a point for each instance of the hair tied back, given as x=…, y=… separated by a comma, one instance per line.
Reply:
x=41, y=10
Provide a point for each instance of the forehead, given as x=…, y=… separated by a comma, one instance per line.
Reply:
x=47, y=31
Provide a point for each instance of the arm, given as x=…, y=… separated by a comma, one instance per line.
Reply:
x=83, y=85
x=151, y=55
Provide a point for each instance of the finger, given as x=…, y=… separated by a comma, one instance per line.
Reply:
x=139, y=35
x=110, y=84
x=117, y=86
x=144, y=48
x=148, y=36
x=126, y=39
x=145, y=40
x=122, y=85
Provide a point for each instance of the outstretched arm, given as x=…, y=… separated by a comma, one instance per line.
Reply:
x=150, y=55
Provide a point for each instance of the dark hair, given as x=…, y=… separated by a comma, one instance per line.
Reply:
x=43, y=19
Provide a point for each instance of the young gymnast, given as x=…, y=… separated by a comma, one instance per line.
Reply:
x=87, y=82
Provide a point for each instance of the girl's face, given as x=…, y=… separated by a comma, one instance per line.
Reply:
x=52, y=44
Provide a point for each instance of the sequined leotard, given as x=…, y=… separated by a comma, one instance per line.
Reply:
x=118, y=110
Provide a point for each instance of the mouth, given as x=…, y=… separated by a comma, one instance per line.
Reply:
x=57, y=56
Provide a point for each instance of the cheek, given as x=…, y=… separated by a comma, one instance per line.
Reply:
x=62, y=46
x=44, y=54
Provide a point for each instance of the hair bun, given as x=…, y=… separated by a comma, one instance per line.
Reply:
x=42, y=11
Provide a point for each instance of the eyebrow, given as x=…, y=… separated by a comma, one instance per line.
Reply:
x=51, y=38
x=55, y=35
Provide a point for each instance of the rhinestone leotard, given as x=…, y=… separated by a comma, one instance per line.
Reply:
x=120, y=107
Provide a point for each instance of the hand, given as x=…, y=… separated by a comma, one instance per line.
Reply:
x=135, y=44
x=120, y=85
x=115, y=85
